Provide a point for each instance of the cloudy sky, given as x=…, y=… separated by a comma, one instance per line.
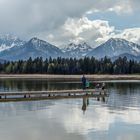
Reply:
x=64, y=21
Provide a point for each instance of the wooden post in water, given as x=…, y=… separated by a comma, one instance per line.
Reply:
x=25, y=96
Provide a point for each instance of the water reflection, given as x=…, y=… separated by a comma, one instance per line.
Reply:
x=85, y=103
x=38, y=84
x=80, y=119
x=64, y=120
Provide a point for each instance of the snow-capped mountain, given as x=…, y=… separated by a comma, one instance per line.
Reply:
x=9, y=41
x=12, y=48
x=33, y=48
x=76, y=50
x=115, y=47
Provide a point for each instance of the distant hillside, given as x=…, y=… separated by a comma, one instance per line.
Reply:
x=129, y=57
x=2, y=61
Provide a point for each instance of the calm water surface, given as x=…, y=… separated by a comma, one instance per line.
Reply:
x=71, y=119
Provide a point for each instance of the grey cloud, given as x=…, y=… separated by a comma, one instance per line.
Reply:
x=44, y=17
x=32, y=16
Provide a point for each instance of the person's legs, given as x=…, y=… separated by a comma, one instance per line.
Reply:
x=84, y=85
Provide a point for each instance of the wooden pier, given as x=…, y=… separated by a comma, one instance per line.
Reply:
x=44, y=95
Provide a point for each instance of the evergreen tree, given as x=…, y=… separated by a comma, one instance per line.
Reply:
x=72, y=66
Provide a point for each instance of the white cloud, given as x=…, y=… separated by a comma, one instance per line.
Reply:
x=93, y=32
x=31, y=17
x=83, y=30
x=132, y=34
x=120, y=7
x=61, y=21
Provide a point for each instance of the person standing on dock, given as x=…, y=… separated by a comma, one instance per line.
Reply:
x=103, y=86
x=87, y=84
x=84, y=82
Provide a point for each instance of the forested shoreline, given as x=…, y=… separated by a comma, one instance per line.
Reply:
x=71, y=66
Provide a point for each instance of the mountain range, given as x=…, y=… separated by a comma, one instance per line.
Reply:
x=12, y=48
x=33, y=48
x=76, y=50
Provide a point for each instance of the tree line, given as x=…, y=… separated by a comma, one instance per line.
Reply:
x=71, y=66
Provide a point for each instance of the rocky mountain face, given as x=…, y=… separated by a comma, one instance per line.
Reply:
x=115, y=47
x=76, y=50
x=33, y=48
x=12, y=48
x=9, y=41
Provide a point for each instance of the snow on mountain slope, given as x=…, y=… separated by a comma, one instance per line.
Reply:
x=114, y=47
x=33, y=48
x=76, y=50
x=12, y=48
x=9, y=41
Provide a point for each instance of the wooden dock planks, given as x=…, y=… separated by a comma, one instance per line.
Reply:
x=44, y=95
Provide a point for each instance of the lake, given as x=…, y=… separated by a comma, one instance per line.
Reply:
x=117, y=118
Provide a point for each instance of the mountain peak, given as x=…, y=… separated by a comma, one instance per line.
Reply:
x=8, y=41
x=72, y=46
x=37, y=42
x=77, y=50
x=116, y=39
x=111, y=39
x=114, y=47
x=33, y=48
x=35, y=39
x=119, y=40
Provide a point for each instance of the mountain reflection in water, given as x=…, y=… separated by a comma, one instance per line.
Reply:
x=66, y=119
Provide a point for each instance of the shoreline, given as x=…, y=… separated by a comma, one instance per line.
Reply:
x=70, y=77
